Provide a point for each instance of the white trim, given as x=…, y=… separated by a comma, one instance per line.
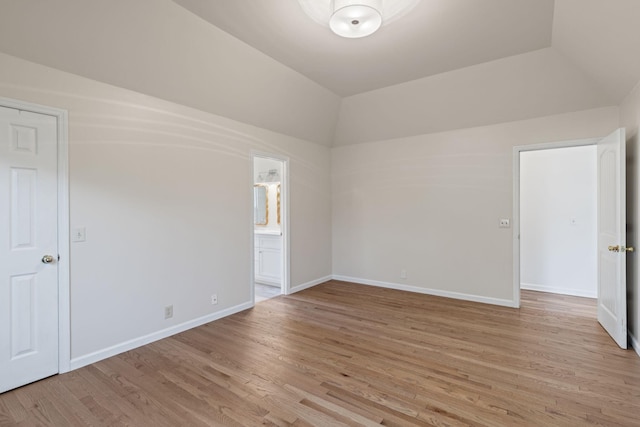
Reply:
x=428, y=291
x=310, y=284
x=285, y=207
x=94, y=357
x=516, y=200
x=558, y=290
x=64, y=291
x=252, y=237
x=64, y=310
x=635, y=344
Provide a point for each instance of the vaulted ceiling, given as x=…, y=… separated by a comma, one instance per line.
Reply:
x=448, y=64
x=439, y=36
x=435, y=36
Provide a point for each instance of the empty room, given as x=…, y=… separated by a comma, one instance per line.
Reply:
x=319, y=212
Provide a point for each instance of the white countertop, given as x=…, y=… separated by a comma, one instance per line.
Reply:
x=268, y=232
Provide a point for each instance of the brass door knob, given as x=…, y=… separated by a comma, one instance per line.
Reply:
x=47, y=259
x=621, y=248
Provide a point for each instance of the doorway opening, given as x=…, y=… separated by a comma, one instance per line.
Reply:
x=558, y=221
x=519, y=153
x=610, y=229
x=270, y=227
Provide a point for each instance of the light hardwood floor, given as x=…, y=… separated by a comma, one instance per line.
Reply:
x=346, y=354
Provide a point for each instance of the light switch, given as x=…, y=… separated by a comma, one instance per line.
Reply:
x=505, y=223
x=79, y=234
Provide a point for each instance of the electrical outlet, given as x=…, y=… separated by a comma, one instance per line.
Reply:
x=168, y=312
x=214, y=299
x=403, y=274
x=505, y=223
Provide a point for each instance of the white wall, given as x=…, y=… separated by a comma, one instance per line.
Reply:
x=430, y=204
x=630, y=119
x=165, y=194
x=558, y=223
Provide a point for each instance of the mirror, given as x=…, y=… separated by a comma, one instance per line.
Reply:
x=260, y=204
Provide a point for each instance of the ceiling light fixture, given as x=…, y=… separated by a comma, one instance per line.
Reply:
x=355, y=18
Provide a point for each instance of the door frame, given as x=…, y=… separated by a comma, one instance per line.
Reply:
x=284, y=222
x=516, y=199
x=64, y=309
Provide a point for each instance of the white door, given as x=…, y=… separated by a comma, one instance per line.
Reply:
x=612, y=298
x=28, y=247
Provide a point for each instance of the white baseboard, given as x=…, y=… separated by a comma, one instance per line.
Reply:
x=635, y=343
x=310, y=284
x=94, y=357
x=428, y=291
x=562, y=291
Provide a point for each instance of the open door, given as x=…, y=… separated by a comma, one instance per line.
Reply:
x=612, y=297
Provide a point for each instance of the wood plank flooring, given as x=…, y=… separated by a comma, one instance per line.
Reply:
x=345, y=354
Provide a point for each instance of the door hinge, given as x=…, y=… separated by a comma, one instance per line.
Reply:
x=58, y=257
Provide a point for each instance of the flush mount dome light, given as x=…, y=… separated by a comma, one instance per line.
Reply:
x=355, y=18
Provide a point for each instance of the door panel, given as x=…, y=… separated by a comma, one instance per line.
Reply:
x=23, y=315
x=28, y=231
x=23, y=204
x=612, y=298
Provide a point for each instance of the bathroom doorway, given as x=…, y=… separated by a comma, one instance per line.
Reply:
x=270, y=227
